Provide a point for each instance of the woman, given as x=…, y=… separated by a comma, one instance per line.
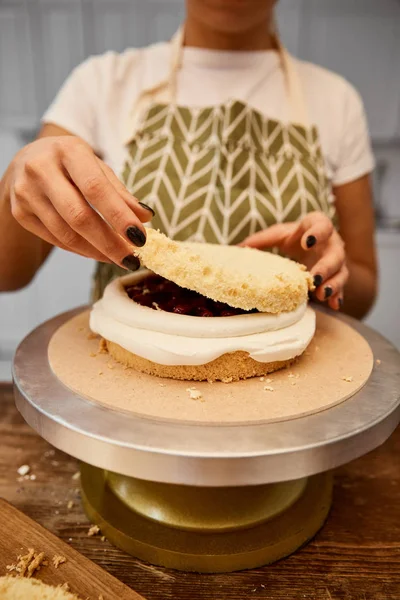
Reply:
x=217, y=136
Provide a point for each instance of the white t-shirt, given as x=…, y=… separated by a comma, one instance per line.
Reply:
x=97, y=99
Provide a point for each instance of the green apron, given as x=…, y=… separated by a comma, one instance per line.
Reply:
x=221, y=173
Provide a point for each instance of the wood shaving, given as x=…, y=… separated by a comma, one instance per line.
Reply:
x=349, y=379
x=194, y=394
x=58, y=560
x=23, y=470
x=70, y=504
x=268, y=388
x=93, y=530
x=76, y=476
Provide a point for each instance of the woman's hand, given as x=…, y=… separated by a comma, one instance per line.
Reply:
x=314, y=242
x=64, y=194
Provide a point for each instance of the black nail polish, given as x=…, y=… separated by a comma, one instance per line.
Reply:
x=318, y=280
x=136, y=236
x=130, y=262
x=340, y=301
x=311, y=241
x=328, y=292
x=143, y=205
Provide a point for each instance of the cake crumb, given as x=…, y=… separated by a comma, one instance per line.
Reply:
x=349, y=379
x=28, y=564
x=378, y=361
x=100, y=373
x=70, y=504
x=292, y=383
x=194, y=394
x=76, y=476
x=49, y=453
x=58, y=560
x=23, y=470
x=227, y=380
x=162, y=384
x=110, y=366
x=155, y=305
x=210, y=380
x=91, y=336
x=268, y=388
x=103, y=538
x=93, y=355
x=32, y=477
x=93, y=530
x=64, y=586
x=262, y=378
x=103, y=346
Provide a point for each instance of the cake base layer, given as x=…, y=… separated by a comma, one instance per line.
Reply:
x=226, y=368
x=335, y=366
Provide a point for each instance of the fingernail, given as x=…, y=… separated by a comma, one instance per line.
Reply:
x=328, y=292
x=143, y=205
x=136, y=236
x=130, y=262
x=318, y=280
x=311, y=241
x=340, y=302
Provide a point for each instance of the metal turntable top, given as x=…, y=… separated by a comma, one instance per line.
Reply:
x=206, y=455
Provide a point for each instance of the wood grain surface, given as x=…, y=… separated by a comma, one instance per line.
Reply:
x=19, y=533
x=355, y=557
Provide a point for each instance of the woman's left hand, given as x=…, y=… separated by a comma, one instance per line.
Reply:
x=314, y=242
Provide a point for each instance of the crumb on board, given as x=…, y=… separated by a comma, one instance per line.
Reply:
x=93, y=355
x=378, y=361
x=194, y=394
x=162, y=384
x=76, y=476
x=100, y=373
x=29, y=563
x=110, y=365
x=93, y=530
x=91, y=336
x=262, y=378
x=58, y=560
x=70, y=504
x=103, y=538
x=292, y=383
x=49, y=453
x=268, y=388
x=64, y=586
x=23, y=470
x=348, y=378
x=227, y=380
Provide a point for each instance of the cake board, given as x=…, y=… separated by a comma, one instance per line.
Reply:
x=141, y=470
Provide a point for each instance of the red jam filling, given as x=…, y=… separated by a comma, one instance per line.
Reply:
x=160, y=294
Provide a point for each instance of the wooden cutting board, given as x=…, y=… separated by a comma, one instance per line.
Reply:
x=18, y=534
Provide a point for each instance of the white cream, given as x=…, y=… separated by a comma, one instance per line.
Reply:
x=171, y=339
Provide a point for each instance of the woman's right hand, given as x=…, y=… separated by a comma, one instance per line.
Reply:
x=63, y=193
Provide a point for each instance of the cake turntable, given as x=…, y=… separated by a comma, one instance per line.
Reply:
x=206, y=496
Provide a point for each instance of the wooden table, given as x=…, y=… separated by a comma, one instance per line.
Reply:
x=355, y=557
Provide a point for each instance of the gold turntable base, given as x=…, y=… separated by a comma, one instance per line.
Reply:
x=207, y=530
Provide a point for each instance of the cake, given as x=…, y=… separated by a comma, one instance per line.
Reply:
x=206, y=312
x=19, y=588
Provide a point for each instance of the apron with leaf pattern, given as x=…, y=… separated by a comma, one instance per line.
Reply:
x=221, y=173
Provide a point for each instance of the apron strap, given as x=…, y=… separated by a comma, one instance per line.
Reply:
x=168, y=86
